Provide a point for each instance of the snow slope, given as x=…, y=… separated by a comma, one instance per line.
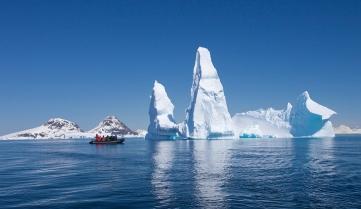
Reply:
x=161, y=122
x=55, y=128
x=310, y=119
x=207, y=115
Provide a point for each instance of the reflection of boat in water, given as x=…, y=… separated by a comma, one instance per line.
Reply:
x=107, y=140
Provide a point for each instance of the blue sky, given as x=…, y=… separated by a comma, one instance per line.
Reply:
x=83, y=60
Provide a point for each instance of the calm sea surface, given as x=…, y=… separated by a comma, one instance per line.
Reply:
x=253, y=173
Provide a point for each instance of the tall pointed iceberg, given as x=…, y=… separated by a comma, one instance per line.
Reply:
x=162, y=124
x=207, y=115
x=310, y=119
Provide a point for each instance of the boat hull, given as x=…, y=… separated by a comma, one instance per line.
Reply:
x=118, y=141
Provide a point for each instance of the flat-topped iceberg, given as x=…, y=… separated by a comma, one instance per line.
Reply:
x=161, y=122
x=207, y=115
x=310, y=119
x=306, y=119
x=263, y=123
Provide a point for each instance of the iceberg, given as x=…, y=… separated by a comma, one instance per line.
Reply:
x=161, y=121
x=263, y=123
x=141, y=133
x=279, y=118
x=306, y=119
x=207, y=115
x=310, y=119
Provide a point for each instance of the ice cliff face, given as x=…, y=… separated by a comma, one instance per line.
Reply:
x=111, y=125
x=310, y=119
x=55, y=128
x=263, y=123
x=207, y=115
x=161, y=122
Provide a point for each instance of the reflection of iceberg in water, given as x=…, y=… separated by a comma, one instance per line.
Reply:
x=162, y=159
x=211, y=166
x=321, y=156
x=322, y=169
x=317, y=155
x=313, y=164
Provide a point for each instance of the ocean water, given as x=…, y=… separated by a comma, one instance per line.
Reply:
x=252, y=173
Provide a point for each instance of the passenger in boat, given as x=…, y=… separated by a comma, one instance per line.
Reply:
x=97, y=138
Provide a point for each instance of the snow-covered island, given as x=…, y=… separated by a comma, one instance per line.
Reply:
x=207, y=116
x=58, y=128
x=54, y=128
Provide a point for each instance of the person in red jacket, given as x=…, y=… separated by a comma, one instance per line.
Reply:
x=97, y=138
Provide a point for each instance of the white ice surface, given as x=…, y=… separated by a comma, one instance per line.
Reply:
x=161, y=122
x=207, y=115
x=263, y=123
